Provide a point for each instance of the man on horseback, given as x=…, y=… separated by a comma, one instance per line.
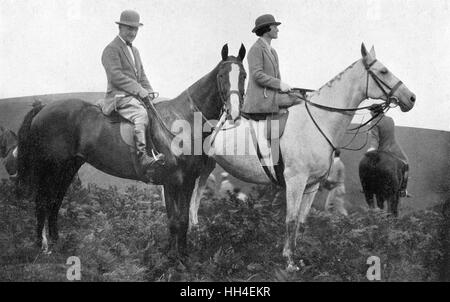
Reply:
x=382, y=138
x=129, y=91
x=264, y=85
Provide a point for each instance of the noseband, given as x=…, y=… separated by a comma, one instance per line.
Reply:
x=380, y=83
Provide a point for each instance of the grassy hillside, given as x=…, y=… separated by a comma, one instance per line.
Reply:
x=124, y=237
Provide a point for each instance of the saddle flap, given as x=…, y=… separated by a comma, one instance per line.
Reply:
x=127, y=133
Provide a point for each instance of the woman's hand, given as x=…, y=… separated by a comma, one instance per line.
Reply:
x=285, y=87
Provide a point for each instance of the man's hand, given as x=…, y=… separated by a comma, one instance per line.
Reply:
x=152, y=95
x=143, y=93
x=146, y=101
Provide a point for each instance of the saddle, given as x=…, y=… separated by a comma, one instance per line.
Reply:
x=126, y=128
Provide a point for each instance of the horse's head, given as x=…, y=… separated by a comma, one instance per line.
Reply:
x=382, y=84
x=230, y=80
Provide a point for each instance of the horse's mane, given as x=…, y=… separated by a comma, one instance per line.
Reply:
x=336, y=78
x=169, y=109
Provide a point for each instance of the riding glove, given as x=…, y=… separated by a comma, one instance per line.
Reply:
x=285, y=87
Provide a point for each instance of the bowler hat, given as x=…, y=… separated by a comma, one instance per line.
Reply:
x=129, y=18
x=264, y=20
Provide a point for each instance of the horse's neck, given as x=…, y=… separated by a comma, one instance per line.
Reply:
x=346, y=90
x=205, y=95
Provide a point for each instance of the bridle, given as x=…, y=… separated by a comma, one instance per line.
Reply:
x=383, y=107
x=380, y=83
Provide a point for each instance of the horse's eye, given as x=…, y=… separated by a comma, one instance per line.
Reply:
x=384, y=71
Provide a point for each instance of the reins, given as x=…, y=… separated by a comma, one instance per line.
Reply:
x=191, y=101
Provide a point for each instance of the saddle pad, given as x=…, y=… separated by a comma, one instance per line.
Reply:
x=268, y=119
x=127, y=133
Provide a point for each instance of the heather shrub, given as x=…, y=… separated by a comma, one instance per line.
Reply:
x=122, y=236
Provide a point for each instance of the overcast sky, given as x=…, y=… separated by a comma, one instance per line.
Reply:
x=54, y=46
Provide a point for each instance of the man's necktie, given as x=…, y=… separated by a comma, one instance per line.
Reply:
x=132, y=53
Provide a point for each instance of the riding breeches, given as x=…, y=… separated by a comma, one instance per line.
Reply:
x=134, y=111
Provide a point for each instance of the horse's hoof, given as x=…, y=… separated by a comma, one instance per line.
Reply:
x=292, y=268
x=193, y=227
x=45, y=250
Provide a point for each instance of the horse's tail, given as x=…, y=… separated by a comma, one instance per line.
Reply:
x=26, y=151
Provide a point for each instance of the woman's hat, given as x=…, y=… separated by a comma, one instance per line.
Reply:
x=264, y=20
x=129, y=18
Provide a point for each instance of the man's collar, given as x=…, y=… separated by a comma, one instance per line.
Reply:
x=122, y=40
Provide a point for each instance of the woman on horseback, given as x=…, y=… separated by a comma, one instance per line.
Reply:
x=264, y=85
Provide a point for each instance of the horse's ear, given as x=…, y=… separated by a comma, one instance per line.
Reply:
x=225, y=52
x=372, y=52
x=363, y=50
x=242, y=51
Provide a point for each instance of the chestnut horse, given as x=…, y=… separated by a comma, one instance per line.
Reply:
x=56, y=139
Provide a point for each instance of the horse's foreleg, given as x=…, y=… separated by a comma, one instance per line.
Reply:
x=294, y=191
x=199, y=188
x=380, y=201
x=200, y=185
x=369, y=199
x=393, y=204
x=41, y=217
x=169, y=200
x=183, y=225
x=195, y=203
x=63, y=177
x=182, y=214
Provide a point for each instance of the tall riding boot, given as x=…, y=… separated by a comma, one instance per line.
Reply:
x=145, y=161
